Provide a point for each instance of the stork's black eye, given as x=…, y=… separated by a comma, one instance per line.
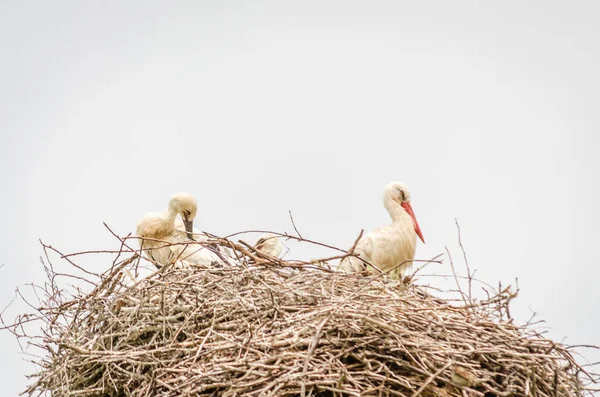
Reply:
x=402, y=196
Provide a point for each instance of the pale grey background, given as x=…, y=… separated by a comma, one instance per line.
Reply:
x=488, y=112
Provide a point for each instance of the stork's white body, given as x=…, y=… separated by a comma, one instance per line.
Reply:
x=200, y=254
x=389, y=248
x=181, y=232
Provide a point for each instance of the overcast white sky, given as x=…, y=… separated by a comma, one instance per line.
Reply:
x=488, y=112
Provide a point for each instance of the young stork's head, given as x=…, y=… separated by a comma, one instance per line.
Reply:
x=269, y=244
x=185, y=205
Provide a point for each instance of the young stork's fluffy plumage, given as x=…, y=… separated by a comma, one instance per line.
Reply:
x=391, y=246
x=170, y=246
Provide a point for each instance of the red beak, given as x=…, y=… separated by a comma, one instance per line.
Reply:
x=408, y=208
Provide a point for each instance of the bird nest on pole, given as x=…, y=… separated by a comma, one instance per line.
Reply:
x=270, y=327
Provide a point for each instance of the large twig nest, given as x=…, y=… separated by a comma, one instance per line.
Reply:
x=274, y=331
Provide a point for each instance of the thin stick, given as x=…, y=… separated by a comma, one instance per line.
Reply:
x=469, y=275
x=294, y=225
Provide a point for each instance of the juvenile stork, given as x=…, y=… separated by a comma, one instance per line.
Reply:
x=390, y=248
x=269, y=244
x=164, y=243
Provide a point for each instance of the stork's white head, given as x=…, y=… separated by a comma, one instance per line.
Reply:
x=398, y=192
x=269, y=244
x=185, y=205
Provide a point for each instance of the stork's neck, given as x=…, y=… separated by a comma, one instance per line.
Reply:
x=395, y=210
x=170, y=215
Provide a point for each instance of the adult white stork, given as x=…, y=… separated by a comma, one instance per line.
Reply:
x=269, y=244
x=164, y=243
x=390, y=248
